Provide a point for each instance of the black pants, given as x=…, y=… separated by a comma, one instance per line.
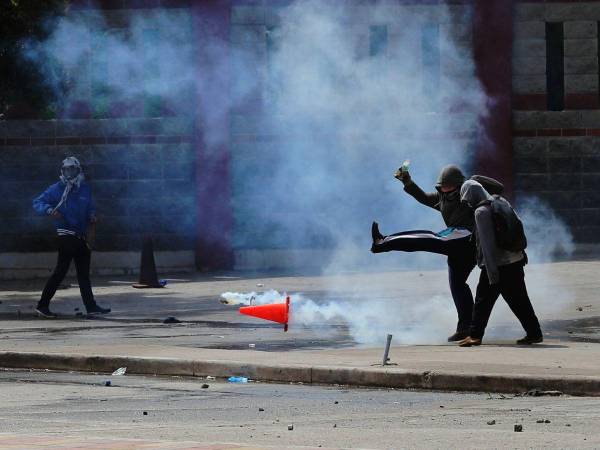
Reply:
x=513, y=290
x=70, y=248
x=461, y=261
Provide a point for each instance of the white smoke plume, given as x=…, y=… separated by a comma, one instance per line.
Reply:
x=346, y=92
x=368, y=320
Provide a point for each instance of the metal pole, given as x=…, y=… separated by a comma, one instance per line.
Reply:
x=387, y=350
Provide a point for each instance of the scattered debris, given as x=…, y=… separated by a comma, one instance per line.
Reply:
x=547, y=421
x=539, y=393
x=205, y=386
x=441, y=406
x=210, y=378
x=336, y=402
x=579, y=308
x=120, y=371
x=518, y=428
x=491, y=422
x=567, y=424
x=107, y=383
x=260, y=285
x=237, y=379
x=252, y=345
x=290, y=427
x=261, y=409
x=145, y=413
x=171, y=319
x=335, y=425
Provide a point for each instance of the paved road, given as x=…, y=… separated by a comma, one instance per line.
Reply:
x=69, y=409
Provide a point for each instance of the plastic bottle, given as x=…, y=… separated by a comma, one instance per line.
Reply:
x=237, y=379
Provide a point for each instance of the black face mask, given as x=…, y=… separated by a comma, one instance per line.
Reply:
x=450, y=196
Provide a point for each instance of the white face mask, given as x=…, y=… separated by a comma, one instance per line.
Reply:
x=70, y=172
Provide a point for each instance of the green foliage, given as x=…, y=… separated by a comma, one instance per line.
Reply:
x=22, y=91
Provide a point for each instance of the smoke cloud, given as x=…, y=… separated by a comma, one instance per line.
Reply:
x=342, y=94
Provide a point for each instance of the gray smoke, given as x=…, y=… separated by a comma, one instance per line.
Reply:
x=347, y=102
x=346, y=93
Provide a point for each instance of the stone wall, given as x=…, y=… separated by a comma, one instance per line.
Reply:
x=142, y=172
x=557, y=153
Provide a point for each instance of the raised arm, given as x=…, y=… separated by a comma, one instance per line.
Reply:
x=431, y=199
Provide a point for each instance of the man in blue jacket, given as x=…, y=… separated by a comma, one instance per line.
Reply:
x=69, y=202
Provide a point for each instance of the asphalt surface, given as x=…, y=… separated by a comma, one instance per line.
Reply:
x=69, y=410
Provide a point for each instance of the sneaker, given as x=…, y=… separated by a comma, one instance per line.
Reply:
x=469, y=342
x=375, y=233
x=527, y=340
x=45, y=312
x=97, y=309
x=458, y=336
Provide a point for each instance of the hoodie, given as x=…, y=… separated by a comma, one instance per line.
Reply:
x=77, y=207
x=454, y=213
x=489, y=255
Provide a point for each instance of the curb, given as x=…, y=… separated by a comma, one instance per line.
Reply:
x=382, y=378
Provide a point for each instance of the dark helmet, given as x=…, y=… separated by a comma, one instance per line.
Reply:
x=450, y=176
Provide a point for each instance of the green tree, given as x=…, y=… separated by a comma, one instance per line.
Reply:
x=22, y=90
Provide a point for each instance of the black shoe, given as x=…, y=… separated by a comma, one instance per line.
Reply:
x=458, y=336
x=96, y=309
x=45, y=312
x=527, y=340
x=375, y=234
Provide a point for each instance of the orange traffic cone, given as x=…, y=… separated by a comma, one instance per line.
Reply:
x=276, y=312
x=148, y=276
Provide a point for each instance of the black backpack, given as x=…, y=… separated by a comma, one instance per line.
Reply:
x=492, y=186
x=510, y=234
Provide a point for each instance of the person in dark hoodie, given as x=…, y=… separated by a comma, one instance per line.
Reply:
x=501, y=272
x=454, y=242
x=69, y=202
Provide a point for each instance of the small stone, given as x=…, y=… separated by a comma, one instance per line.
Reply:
x=491, y=422
x=107, y=383
x=261, y=409
x=546, y=421
x=441, y=406
x=567, y=425
x=205, y=386
x=579, y=308
x=336, y=402
x=171, y=319
x=539, y=421
x=145, y=413
x=290, y=427
x=335, y=425
x=518, y=428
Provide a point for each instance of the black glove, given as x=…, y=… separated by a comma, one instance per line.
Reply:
x=403, y=176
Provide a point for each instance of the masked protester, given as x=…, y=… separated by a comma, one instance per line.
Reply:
x=69, y=202
x=454, y=242
x=501, y=272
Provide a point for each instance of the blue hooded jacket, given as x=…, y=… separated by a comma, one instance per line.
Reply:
x=77, y=210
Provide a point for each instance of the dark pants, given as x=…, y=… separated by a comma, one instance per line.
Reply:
x=513, y=290
x=461, y=261
x=70, y=248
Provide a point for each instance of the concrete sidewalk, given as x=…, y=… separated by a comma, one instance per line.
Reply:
x=215, y=340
